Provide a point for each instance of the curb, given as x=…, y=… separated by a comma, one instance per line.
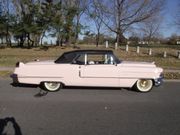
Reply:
x=171, y=70
x=7, y=68
x=172, y=80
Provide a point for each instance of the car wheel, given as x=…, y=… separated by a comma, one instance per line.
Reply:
x=52, y=86
x=144, y=85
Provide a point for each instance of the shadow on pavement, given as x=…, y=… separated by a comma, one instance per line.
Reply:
x=66, y=87
x=41, y=93
x=90, y=88
x=24, y=85
x=5, y=124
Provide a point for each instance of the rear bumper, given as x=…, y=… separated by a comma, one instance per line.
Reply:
x=158, y=81
x=14, y=78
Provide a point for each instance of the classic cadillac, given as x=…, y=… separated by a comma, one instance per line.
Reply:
x=99, y=68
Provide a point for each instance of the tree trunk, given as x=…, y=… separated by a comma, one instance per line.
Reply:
x=77, y=29
x=36, y=40
x=1, y=40
x=6, y=40
x=30, y=41
x=41, y=41
x=119, y=37
x=43, y=34
x=68, y=40
x=9, y=39
x=21, y=41
x=97, y=39
x=61, y=41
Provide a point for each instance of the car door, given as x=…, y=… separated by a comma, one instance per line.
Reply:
x=99, y=70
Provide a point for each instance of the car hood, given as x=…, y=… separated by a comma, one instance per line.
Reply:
x=47, y=62
x=137, y=64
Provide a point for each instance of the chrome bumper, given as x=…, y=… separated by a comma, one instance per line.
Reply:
x=158, y=81
x=14, y=78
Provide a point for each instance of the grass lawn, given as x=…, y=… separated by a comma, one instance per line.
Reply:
x=5, y=74
x=9, y=56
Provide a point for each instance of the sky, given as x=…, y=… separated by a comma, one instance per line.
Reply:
x=167, y=26
x=169, y=12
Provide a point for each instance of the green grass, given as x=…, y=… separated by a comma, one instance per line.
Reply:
x=5, y=73
x=172, y=75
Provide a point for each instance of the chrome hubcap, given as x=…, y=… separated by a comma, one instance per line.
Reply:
x=52, y=86
x=144, y=85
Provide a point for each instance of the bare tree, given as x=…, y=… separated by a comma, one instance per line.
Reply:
x=94, y=14
x=81, y=6
x=70, y=12
x=151, y=28
x=4, y=5
x=177, y=16
x=121, y=14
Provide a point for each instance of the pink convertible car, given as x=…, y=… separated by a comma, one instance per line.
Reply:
x=99, y=68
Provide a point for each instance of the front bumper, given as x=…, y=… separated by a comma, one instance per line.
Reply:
x=158, y=81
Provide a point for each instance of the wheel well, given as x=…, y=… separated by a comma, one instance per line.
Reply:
x=41, y=83
x=145, y=79
x=153, y=81
x=139, y=89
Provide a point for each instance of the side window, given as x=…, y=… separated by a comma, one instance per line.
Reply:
x=109, y=59
x=99, y=59
x=95, y=59
x=80, y=60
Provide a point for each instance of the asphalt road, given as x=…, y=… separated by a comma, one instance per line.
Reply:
x=85, y=111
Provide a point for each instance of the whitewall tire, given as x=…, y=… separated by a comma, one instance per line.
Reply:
x=144, y=85
x=52, y=86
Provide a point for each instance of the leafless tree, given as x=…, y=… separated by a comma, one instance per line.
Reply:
x=81, y=6
x=5, y=6
x=121, y=14
x=73, y=14
x=151, y=28
x=177, y=17
x=93, y=13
